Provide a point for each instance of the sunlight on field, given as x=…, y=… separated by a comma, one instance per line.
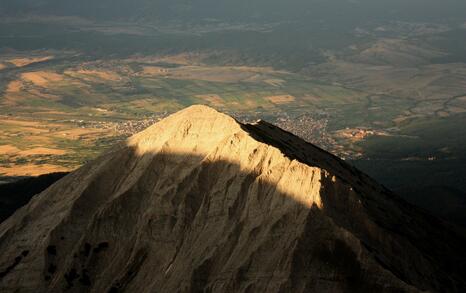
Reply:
x=225, y=74
x=155, y=71
x=21, y=62
x=41, y=78
x=8, y=150
x=180, y=59
x=13, y=93
x=42, y=151
x=214, y=100
x=282, y=99
x=65, y=113
x=37, y=146
x=31, y=169
x=94, y=75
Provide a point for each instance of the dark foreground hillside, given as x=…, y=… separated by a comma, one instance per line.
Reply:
x=16, y=194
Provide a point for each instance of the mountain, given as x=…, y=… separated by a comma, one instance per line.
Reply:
x=202, y=203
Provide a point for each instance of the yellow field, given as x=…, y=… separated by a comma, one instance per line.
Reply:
x=8, y=150
x=94, y=75
x=26, y=143
x=31, y=169
x=226, y=74
x=41, y=78
x=21, y=62
x=283, y=99
x=42, y=151
x=212, y=99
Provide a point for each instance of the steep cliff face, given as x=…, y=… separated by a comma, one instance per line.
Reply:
x=199, y=202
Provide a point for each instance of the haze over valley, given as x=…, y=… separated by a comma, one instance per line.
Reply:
x=378, y=83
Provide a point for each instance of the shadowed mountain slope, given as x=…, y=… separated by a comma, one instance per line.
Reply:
x=201, y=203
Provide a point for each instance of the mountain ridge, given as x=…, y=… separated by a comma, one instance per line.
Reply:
x=202, y=202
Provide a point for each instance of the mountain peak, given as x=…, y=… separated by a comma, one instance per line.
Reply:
x=194, y=129
x=202, y=109
x=201, y=202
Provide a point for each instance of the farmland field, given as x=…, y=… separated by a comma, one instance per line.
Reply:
x=77, y=107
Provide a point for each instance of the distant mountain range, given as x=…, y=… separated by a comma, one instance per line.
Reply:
x=240, y=10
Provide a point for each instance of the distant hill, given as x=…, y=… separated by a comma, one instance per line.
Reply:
x=338, y=10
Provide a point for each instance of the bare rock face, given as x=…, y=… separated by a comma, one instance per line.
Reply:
x=201, y=203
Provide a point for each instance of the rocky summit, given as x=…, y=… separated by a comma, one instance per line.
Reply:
x=202, y=203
